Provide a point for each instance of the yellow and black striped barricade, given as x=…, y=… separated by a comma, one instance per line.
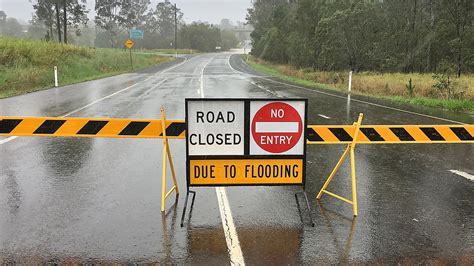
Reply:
x=101, y=128
x=90, y=127
x=380, y=134
x=391, y=134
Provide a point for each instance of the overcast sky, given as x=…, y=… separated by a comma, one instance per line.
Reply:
x=211, y=11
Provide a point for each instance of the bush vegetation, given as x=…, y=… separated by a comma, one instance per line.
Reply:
x=27, y=65
x=393, y=86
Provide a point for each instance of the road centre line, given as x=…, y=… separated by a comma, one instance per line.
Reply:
x=3, y=141
x=233, y=244
x=355, y=100
x=324, y=116
x=231, y=238
x=463, y=174
x=202, y=77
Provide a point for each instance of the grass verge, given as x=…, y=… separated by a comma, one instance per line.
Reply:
x=27, y=65
x=366, y=84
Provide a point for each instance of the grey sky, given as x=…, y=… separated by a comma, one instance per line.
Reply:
x=211, y=11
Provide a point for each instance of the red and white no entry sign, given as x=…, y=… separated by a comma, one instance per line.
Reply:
x=277, y=127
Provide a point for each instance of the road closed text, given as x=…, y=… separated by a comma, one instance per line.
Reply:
x=246, y=171
x=214, y=138
x=215, y=127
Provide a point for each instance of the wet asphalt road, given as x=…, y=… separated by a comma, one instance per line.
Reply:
x=98, y=200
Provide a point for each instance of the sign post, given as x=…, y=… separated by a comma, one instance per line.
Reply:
x=245, y=142
x=129, y=44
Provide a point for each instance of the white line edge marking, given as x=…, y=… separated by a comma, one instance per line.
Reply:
x=3, y=141
x=343, y=97
x=231, y=238
x=463, y=174
x=324, y=116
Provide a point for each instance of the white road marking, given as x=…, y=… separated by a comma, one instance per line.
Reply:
x=323, y=116
x=231, y=238
x=463, y=174
x=343, y=97
x=233, y=244
x=3, y=141
x=202, y=77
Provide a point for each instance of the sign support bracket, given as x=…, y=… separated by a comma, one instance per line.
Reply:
x=186, y=204
x=166, y=154
x=350, y=149
x=307, y=204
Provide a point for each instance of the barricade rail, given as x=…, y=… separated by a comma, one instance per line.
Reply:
x=175, y=129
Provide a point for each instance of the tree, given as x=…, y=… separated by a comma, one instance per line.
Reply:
x=74, y=14
x=160, y=24
x=228, y=40
x=108, y=18
x=200, y=36
x=119, y=16
x=459, y=15
x=3, y=17
x=389, y=35
x=11, y=27
x=45, y=13
x=49, y=12
x=133, y=13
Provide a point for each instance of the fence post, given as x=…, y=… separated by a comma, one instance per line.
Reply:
x=55, y=76
x=350, y=81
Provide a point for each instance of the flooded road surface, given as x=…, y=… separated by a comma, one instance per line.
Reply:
x=67, y=200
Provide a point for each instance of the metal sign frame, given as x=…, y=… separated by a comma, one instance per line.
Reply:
x=246, y=139
x=246, y=142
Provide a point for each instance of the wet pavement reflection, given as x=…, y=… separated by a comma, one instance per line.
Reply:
x=98, y=200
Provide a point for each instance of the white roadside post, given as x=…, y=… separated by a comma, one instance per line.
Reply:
x=55, y=76
x=350, y=81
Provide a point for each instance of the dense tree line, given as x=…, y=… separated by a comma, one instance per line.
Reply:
x=59, y=15
x=117, y=17
x=365, y=35
x=67, y=21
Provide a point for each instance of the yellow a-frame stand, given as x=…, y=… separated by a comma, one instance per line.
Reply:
x=166, y=154
x=350, y=148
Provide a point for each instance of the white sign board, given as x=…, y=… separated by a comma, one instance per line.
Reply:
x=215, y=127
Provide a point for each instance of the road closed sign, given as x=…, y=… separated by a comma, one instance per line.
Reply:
x=245, y=141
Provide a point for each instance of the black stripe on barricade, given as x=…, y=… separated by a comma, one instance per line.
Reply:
x=49, y=127
x=372, y=134
x=134, y=128
x=312, y=135
x=7, y=125
x=341, y=134
x=462, y=133
x=402, y=134
x=175, y=129
x=92, y=127
x=432, y=133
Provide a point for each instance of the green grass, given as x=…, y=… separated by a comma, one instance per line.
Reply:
x=27, y=65
x=371, y=85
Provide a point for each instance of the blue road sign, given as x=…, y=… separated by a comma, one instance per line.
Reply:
x=136, y=34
